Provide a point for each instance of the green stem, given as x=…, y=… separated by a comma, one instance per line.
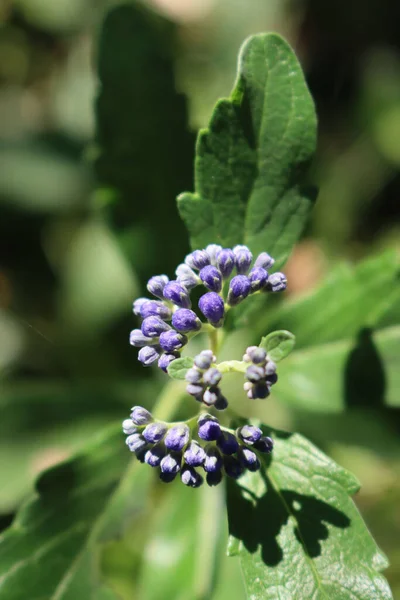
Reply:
x=232, y=366
x=214, y=346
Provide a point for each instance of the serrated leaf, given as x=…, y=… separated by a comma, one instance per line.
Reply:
x=251, y=161
x=179, y=367
x=297, y=532
x=278, y=344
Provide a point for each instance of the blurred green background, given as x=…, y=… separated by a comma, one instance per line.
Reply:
x=97, y=132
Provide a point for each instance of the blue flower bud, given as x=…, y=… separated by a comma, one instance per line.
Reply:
x=214, y=478
x=186, y=276
x=249, y=459
x=197, y=259
x=196, y=390
x=221, y=403
x=213, y=461
x=264, y=444
x=239, y=289
x=165, y=360
x=171, y=463
x=270, y=368
x=154, y=326
x=193, y=375
x=211, y=278
x=154, y=455
x=156, y=285
x=186, y=320
x=175, y=292
x=135, y=442
x=255, y=373
x=249, y=434
x=191, y=477
x=211, y=395
x=137, y=305
x=129, y=427
x=212, y=307
x=264, y=260
x=138, y=339
x=204, y=360
x=256, y=355
x=177, y=437
x=212, y=376
x=226, y=262
x=172, y=340
x=243, y=258
x=140, y=416
x=227, y=443
x=213, y=251
x=155, y=308
x=154, y=432
x=258, y=278
x=277, y=282
x=148, y=355
x=209, y=428
x=233, y=467
x=194, y=456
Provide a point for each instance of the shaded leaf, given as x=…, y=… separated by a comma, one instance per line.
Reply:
x=179, y=367
x=278, y=344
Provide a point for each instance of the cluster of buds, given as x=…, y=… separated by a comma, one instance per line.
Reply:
x=203, y=381
x=200, y=443
x=260, y=375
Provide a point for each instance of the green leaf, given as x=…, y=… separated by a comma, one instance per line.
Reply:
x=179, y=367
x=297, y=532
x=251, y=161
x=278, y=344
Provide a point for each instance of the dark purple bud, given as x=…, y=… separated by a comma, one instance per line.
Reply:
x=177, y=437
x=197, y=259
x=256, y=355
x=239, y=289
x=212, y=377
x=165, y=360
x=140, y=416
x=213, y=460
x=209, y=429
x=213, y=251
x=191, y=477
x=154, y=326
x=129, y=427
x=211, y=278
x=255, y=373
x=154, y=456
x=233, y=467
x=249, y=459
x=272, y=379
x=226, y=262
x=154, y=432
x=155, y=308
x=185, y=320
x=264, y=444
x=186, y=276
x=214, y=478
x=167, y=477
x=138, y=339
x=221, y=403
x=175, y=292
x=204, y=360
x=277, y=282
x=135, y=442
x=194, y=456
x=227, y=443
x=171, y=463
x=156, y=285
x=148, y=355
x=259, y=391
x=212, y=307
x=172, y=340
x=210, y=396
x=258, y=278
x=137, y=305
x=193, y=375
x=243, y=258
x=264, y=260
x=270, y=368
x=249, y=434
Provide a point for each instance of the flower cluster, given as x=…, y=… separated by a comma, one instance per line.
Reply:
x=199, y=443
x=260, y=375
x=203, y=380
x=168, y=321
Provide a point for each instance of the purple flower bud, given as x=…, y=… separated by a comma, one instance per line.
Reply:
x=154, y=432
x=249, y=459
x=213, y=460
x=214, y=478
x=156, y=285
x=258, y=278
x=154, y=326
x=264, y=260
x=264, y=444
x=213, y=251
x=227, y=443
x=277, y=282
x=137, y=305
x=212, y=377
x=165, y=360
x=194, y=456
x=135, y=442
x=172, y=340
x=171, y=463
x=233, y=467
x=243, y=258
x=138, y=339
x=185, y=320
x=177, y=437
x=186, y=276
x=258, y=390
x=255, y=373
x=272, y=379
x=204, y=360
x=226, y=262
x=250, y=434
x=193, y=375
x=140, y=416
x=148, y=355
x=177, y=293
x=239, y=289
x=191, y=477
x=155, y=308
x=256, y=355
x=129, y=427
x=210, y=396
x=212, y=307
x=270, y=368
x=197, y=259
x=209, y=429
x=195, y=389
x=221, y=403
x=154, y=456
x=211, y=278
